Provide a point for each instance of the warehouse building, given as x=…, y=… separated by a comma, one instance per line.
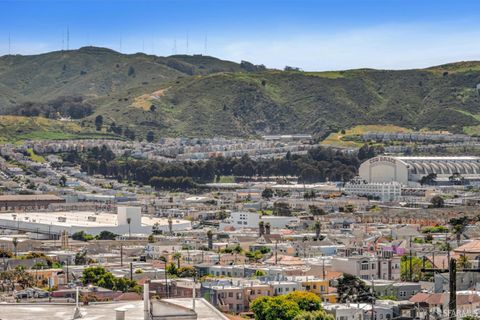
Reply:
x=411, y=170
x=128, y=220
x=28, y=201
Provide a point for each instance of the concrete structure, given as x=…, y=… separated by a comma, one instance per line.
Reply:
x=368, y=268
x=410, y=170
x=127, y=220
x=384, y=191
x=28, y=202
x=250, y=220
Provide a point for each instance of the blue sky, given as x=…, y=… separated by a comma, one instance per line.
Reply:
x=313, y=35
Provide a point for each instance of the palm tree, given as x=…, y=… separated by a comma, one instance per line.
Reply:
x=261, y=228
x=15, y=244
x=165, y=261
x=170, y=226
x=210, y=239
x=177, y=256
x=267, y=228
x=463, y=262
x=318, y=229
x=129, y=221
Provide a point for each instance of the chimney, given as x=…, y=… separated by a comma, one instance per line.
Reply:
x=146, y=301
x=120, y=314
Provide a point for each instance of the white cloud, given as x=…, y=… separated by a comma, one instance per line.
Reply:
x=393, y=46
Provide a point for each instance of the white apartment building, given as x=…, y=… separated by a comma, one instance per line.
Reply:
x=368, y=268
x=241, y=220
x=384, y=191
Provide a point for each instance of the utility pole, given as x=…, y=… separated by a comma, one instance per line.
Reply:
x=452, y=285
x=276, y=255
x=452, y=302
x=131, y=271
x=373, y=298
x=410, y=269
x=121, y=255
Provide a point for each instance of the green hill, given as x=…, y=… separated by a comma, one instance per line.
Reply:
x=205, y=96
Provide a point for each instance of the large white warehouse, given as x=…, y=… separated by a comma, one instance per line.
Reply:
x=410, y=170
x=127, y=220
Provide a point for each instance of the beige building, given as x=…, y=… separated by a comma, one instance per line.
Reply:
x=410, y=170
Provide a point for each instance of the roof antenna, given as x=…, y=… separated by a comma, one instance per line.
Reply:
x=206, y=44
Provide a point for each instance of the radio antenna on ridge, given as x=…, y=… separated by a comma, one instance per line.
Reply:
x=68, y=38
x=9, y=44
x=187, y=42
x=206, y=44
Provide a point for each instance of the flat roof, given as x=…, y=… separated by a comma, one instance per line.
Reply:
x=54, y=311
x=439, y=158
x=29, y=197
x=79, y=218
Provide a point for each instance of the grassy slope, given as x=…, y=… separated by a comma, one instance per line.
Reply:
x=247, y=104
x=206, y=96
x=17, y=128
x=337, y=139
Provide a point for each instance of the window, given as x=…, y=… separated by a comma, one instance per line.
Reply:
x=230, y=294
x=364, y=266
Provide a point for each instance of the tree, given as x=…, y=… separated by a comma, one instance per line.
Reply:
x=260, y=273
x=177, y=256
x=186, y=272
x=261, y=228
x=151, y=238
x=99, y=122
x=268, y=228
x=429, y=179
x=23, y=278
x=463, y=262
x=106, y=235
x=314, y=315
x=82, y=236
x=150, y=136
x=316, y=211
x=307, y=301
x=15, y=244
x=172, y=269
x=353, y=289
x=417, y=265
x=274, y=308
x=286, y=307
x=81, y=258
x=210, y=239
x=456, y=179
x=437, y=202
x=5, y=253
x=318, y=229
x=267, y=193
x=63, y=180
